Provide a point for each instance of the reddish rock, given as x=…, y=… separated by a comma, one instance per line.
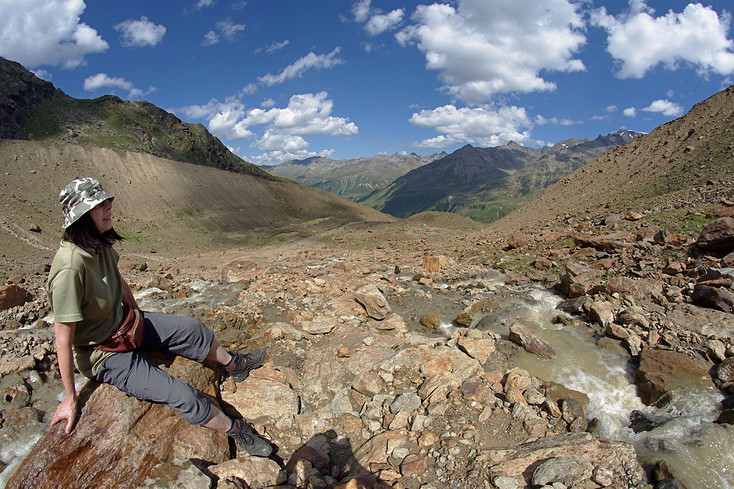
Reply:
x=713, y=297
x=12, y=296
x=435, y=263
x=665, y=373
x=523, y=336
x=717, y=235
x=414, y=466
x=118, y=440
x=517, y=241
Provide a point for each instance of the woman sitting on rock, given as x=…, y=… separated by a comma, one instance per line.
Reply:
x=99, y=326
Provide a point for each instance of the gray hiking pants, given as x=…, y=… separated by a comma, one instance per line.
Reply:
x=133, y=375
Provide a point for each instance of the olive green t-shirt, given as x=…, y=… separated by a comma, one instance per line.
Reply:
x=86, y=289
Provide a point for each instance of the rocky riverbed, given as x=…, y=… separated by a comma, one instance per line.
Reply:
x=389, y=365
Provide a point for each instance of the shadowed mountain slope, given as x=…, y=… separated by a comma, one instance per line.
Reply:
x=159, y=204
x=33, y=109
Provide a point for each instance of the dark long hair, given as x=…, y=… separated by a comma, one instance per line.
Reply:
x=84, y=233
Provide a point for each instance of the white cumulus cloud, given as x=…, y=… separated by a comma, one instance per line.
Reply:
x=665, y=107
x=308, y=62
x=375, y=20
x=139, y=33
x=479, y=125
x=639, y=41
x=481, y=48
x=102, y=81
x=279, y=132
x=225, y=28
x=47, y=32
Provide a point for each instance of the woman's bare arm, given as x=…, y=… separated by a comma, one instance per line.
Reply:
x=67, y=409
x=127, y=295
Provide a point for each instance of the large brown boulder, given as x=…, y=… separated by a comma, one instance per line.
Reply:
x=663, y=374
x=118, y=440
x=12, y=295
x=717, y=235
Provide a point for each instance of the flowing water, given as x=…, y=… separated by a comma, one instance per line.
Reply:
x=701, y=452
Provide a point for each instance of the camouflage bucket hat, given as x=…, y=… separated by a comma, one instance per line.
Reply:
x=79, y=197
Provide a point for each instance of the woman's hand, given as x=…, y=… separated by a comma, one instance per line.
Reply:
x=67, y=410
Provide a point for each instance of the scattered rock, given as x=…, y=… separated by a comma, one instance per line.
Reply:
x=531, y=342
x=373, y=301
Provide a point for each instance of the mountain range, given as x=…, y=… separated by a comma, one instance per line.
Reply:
x=481, y=183
x=353, y=179
x=170, y=200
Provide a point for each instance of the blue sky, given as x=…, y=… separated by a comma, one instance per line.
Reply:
x=278, y=80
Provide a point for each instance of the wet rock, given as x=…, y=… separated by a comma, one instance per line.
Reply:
x=431, y=321
x=531, y=342
x=475, y=312
x=179, y=474
x=571, y=409
x=665, y=478
x=714, y=297
x=13, y=296
x=717, y=235
x=618, y=458
x=255, y=471
x=725, y=417
x=137, y=437
x=642, y=421
x=577, y=306
x=373, y=301
x=725, y=370
x=665, y=373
